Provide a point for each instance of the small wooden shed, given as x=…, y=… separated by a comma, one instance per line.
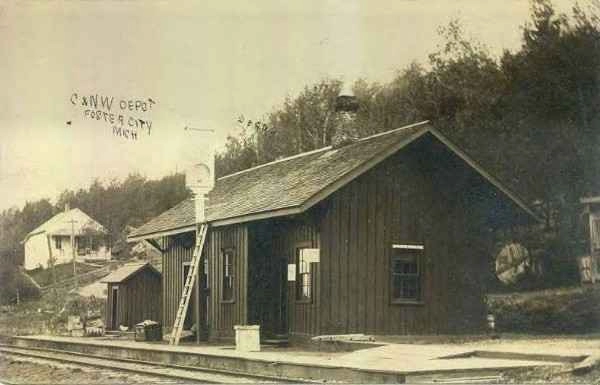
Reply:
x=134, y=295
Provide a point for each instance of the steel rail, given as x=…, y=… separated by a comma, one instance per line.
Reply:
x=159, y=369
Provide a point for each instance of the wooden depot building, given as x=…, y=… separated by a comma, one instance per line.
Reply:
x=133, y=296
x=388, y=234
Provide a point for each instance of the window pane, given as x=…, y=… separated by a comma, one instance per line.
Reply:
x=304, y=258
x=306, y=285
x=412, y=268
x=409, y=287
x=595, y=233
x=396, y=287
x=227, y=278
x=405, y=274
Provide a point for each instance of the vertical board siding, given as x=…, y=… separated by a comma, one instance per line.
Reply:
x=138, y=299
x=399, y=201
x=225, y=315
x=222, y=316
x=177, y=252
x=416, y=196
x=303, y=318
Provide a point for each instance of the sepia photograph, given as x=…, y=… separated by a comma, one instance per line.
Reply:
x=365, y=192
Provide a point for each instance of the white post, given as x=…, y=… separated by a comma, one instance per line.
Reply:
x=200, y=178
x=199, y=208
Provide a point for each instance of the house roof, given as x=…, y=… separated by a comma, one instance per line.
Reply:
x=128, y=270
x=60, y=224
x=590, y=199
x=293, y=185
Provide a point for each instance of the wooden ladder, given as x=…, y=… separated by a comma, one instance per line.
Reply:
x=189, y=284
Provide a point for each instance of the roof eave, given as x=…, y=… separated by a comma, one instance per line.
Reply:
x=162, y=233
x=31, y=235
x=293, y=210
x=286, y=211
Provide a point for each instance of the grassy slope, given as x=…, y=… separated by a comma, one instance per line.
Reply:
x=64, y=271
x=561, y=311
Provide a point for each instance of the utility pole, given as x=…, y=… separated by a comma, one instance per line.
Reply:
x=73, y=221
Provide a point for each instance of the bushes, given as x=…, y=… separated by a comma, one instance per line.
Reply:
x=572, y=310
x=14, y=282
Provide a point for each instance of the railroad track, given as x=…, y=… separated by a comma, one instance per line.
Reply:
x=173, y=372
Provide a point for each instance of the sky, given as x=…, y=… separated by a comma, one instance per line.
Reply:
x=192, y=64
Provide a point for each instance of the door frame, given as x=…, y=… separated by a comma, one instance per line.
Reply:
x=114, y=311
x=284, y=287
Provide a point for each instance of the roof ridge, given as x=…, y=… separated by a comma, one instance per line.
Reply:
x=320, y=149
x=393, y=130
x=277, y=161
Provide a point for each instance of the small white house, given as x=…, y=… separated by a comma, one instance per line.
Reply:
x=51, y=241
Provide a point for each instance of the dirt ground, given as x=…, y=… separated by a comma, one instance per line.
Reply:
x=551, y=344
x=552, y=376
x=23, y=370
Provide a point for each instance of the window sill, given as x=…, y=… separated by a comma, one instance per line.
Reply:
x=408, y=302
x=228, y=301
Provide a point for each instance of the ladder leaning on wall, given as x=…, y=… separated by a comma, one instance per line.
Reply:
x=189, y=284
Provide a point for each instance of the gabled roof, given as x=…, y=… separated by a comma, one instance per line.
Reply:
x=127, y=271
x=295, y=184
x=60, y=224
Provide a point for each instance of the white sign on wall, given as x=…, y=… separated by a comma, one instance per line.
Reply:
x=310, y=255
x=292, y=272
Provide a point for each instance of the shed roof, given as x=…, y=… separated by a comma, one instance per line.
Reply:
x=127, y=271
x=60, y=224
x=293, y=185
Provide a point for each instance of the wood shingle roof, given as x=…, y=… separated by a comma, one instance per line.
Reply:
x=126, y=271
x=293, y=185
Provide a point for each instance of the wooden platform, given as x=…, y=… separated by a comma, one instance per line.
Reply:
x=392, y=363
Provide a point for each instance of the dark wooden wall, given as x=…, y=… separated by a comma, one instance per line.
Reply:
x=267, y=285
x=423, y=195
x=223, y=315
x=139, y=299
x=411, y=198
x=109, y=306
x=178, y=250
x=303, y=317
